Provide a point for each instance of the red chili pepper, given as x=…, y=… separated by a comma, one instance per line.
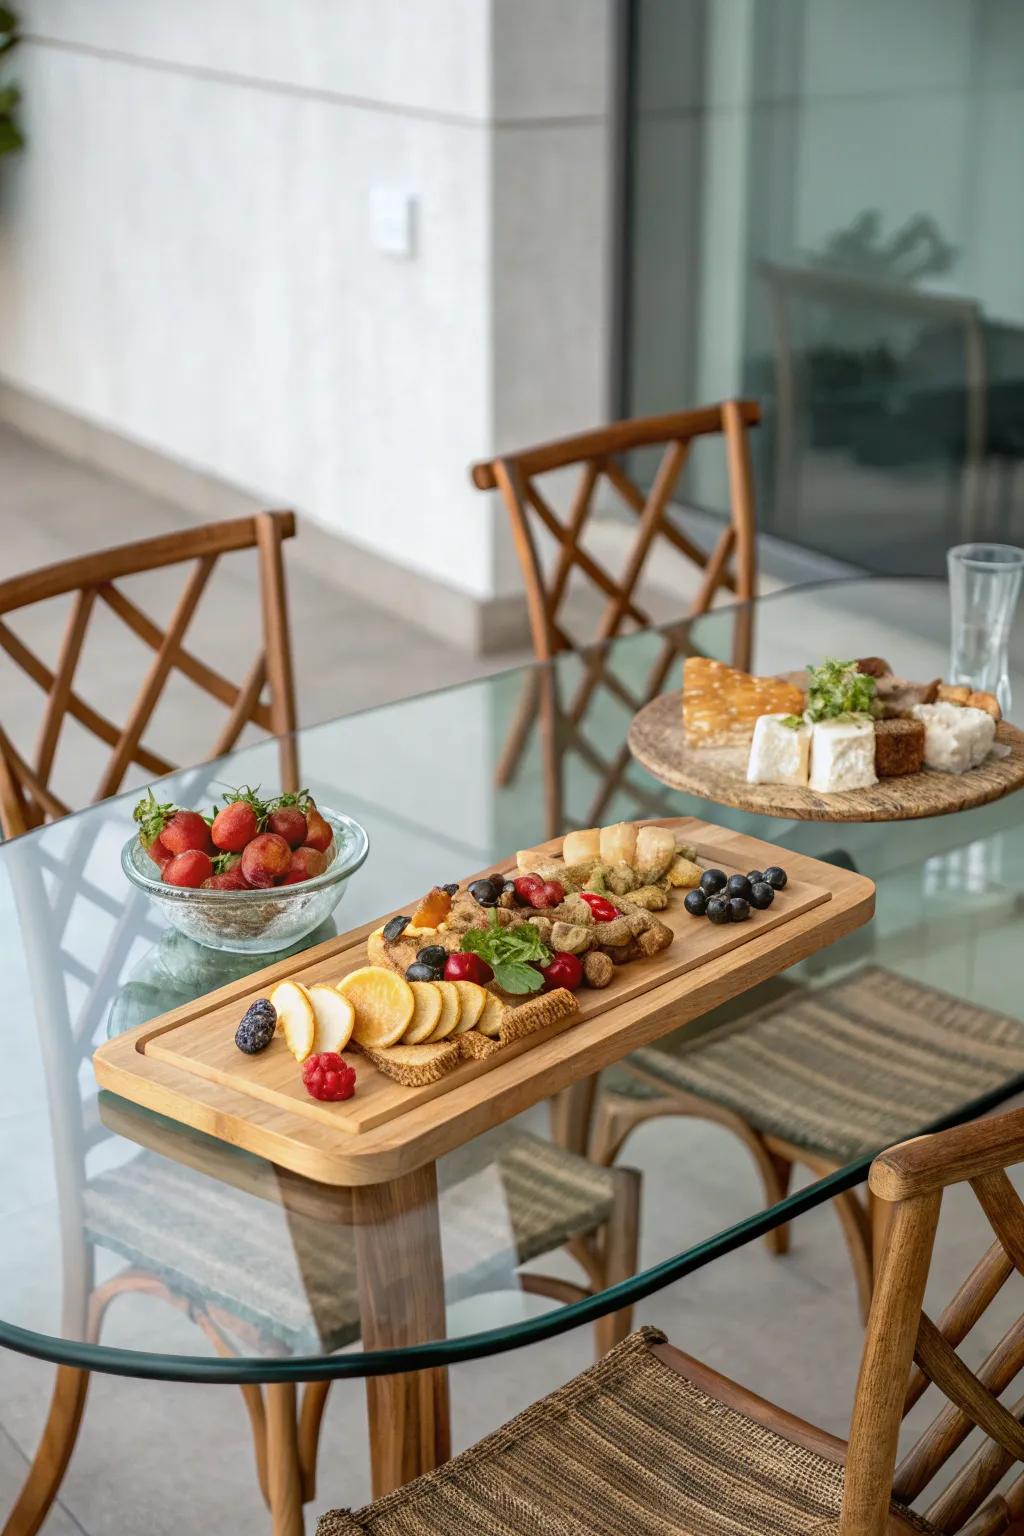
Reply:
x=601, y=907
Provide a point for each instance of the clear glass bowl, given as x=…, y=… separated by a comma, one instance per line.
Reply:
x=253, y=922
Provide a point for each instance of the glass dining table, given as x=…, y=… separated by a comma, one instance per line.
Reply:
x=102, y=1198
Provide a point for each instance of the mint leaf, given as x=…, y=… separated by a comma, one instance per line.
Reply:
x=513, y=976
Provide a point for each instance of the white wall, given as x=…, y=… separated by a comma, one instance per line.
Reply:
x=185, y=254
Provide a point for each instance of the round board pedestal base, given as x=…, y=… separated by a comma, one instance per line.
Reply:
x=658, y=741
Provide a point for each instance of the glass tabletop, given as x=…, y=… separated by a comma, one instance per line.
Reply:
x=135, y=1245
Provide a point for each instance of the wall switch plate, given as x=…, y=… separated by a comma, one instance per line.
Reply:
x=392, y=219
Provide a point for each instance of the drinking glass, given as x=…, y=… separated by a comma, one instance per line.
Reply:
x=984, y=583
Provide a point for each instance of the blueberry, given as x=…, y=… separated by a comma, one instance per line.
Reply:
x=433, y=955
x=718, y=909
x=256, y=1030
x=754, y=875
x=486, y=892
x=738, y=885
x=420, y=972
x=712, y=881
x=395, y=928
x=761, y=895
x=452, y=889
x=739, y=909
x=776, y=877
x=695, y=902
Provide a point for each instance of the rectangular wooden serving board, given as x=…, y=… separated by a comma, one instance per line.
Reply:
x=192, y=1049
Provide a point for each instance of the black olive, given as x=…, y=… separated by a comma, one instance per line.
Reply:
x=508, y=888
x=738, y=885
x=485, y=892
x=712, y=881
x=718, y=909
x=452, y=889
x=776, y=877
x=754, y=875
x=739, y=909
x=395, y=928
x=761, y=895
x=695, y=902
x=420, y=972
x=433, y=955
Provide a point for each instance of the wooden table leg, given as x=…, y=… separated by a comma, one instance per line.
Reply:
x=401, y=1301
x=284, y=1474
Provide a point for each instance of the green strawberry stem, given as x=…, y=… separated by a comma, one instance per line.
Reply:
x=152, y=817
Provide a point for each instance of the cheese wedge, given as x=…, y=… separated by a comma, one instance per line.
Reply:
x=779, y=753
x=842, y=756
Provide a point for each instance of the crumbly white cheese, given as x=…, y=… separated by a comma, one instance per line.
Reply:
x=842, y=755
x=956, y=737
x=778, y=753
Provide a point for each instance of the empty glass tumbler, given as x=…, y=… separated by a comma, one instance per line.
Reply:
x=984, y=583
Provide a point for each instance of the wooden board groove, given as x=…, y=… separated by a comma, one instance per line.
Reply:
x=156, y=1064
x=658, y=741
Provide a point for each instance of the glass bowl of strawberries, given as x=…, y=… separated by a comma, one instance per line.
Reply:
x=251, y=875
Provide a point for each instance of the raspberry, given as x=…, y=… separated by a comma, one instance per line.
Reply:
x=327, y=1076
x=256, y=1030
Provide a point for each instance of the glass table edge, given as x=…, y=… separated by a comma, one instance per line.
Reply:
x=438, y=1353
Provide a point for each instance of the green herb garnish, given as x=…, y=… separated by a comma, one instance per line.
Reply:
x=837, y=690
x=509, y=952
x=792, y=722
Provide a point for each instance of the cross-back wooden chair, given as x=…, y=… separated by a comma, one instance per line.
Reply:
x=26, y=796
x=731, y=565
x=651, y=1440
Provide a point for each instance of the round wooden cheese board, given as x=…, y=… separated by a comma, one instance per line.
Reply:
x=658, y=741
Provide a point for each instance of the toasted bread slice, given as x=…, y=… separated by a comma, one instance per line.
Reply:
x=427, y=1014
x=538, y=1013
x=477, y=1047
x=414, y=1066
x=451, y=1011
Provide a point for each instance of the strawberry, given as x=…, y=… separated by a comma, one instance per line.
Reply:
x=158, y=853
x=152, y=817
x=185, y=832
x=290, y=823
x=238, y=822
x=226, y=880
x=190, y=868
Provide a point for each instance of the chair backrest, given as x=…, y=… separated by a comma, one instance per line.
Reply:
x=598, y=455
x=26, y=796
x=905, y=1349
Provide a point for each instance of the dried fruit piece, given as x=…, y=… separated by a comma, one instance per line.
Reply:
x=295, y=1017
x=383, y=1002
x=433, y=909
x=334, y=1017
x=329, y=1078
x=256, y=1030
x=683, y=873
x=427, y=1013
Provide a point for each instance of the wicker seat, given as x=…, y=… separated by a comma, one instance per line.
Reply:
x=298, y=1290
x=632, y=1446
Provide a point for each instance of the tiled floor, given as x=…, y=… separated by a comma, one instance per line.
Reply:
x=163, y=1459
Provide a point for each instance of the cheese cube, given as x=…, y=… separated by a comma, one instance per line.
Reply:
x=778, y=753
x=955, y=737
x=842, y=755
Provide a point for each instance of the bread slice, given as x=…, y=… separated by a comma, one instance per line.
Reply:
x=414, y=1066
x=547, y=1008
x=477, y=1047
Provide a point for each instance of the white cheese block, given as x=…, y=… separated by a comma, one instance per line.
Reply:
x=955, y=737
x=778, y=753
x=842, y=755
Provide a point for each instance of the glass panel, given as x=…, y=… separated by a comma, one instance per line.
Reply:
x=825, y=215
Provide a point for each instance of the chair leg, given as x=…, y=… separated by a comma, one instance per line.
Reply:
x=619, y=1256
x=616, y=1117
x=572, y=1114
x=857, y=1231
x=51, y=1459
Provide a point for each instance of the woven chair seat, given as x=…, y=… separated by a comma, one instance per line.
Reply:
x=630, y=1447
x=293, y=1278
x=846, y=1070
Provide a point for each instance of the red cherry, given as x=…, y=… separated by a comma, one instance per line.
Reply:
x=185, y=831
x=563, y=970
x=190, y=868
x=464, y=965
x=524, y=884
x=600, y=906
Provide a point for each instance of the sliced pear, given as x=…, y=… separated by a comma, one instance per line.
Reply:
x=334, y=1015
x=295, y=1016
x=472, y=997
x=489, y=1022
x=451, y=1008
x=383, y=1003
x=427, y=1014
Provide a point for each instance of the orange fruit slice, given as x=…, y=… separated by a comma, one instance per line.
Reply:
x=427, y=1013
x=473, y=998
x=384, y=1004
x=489, y=1022
x=334, y=1017
x=451, y=1008
x=433, y=909
x=295, y=1017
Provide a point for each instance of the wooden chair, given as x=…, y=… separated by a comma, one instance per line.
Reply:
x=731, y=564
x=650, y=1440
x=26, y=796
